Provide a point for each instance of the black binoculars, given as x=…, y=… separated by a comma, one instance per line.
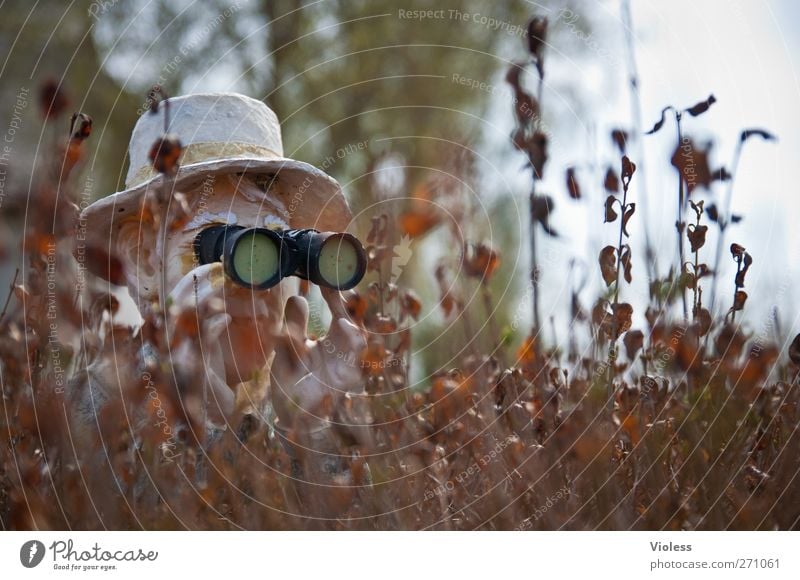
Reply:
x=259, y=258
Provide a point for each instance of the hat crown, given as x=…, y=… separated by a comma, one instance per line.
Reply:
x=213, y=126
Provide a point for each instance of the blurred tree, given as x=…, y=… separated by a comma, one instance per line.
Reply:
x=42, y=44
x=337, y=73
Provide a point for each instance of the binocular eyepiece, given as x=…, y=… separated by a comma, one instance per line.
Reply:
x=259, y=258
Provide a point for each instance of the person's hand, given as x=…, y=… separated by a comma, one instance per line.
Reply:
x=309, y=378
x=203, y=296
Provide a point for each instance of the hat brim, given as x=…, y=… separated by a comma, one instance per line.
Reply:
x=312, y=198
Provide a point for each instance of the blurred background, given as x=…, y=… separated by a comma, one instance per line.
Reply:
x=411, y=112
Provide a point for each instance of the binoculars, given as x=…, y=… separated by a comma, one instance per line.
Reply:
x=258, y=258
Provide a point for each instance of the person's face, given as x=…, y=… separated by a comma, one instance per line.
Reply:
x=256, y=314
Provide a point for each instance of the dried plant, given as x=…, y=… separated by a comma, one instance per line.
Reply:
x=726, y=217
x=684, y=163
x=529, y=138
x=679, y=425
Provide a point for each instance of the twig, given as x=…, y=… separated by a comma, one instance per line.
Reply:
x=679, y=223
x=724, y=220
x=10, y=294
x=636, y=106
x=625, y=184
x=534, y=255
x=736, y=289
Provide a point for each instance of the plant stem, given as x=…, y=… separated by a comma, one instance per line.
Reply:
x=10, y=294
x=495, y=333
x=695, y=289
x=612, y=348
x=736, y=288
x=619, y=242
x=695, y=302
x=724, y=220
x=636, y=114
x=534, y=257
x=534, y=265
x=679, y=222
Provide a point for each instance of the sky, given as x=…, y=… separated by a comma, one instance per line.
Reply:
x=744, y=53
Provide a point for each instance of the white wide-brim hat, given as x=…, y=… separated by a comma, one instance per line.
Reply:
x=221, y=133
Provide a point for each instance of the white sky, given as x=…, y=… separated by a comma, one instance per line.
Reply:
x=742, y=51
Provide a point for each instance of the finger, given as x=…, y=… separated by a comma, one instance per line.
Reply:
x=295, y=314
x=291, y=350
x=346, y=337
x=336, y=302
x=342, y=367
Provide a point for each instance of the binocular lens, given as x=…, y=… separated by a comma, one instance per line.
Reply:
x=255, y=258
x=338, y=262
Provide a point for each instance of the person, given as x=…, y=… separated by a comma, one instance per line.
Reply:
x=231, y=171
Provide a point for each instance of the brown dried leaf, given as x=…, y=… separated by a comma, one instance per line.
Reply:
x=573, y=188
x=794, y=350
x=611, y=182
x=165, y=153
x=626, y=262
x=660, y=122
x=52, y=100
x=526, y=354
x=747, y=133
x=633, y=341
x=692, y=164
x=620, y=139
x=713, y=213
x=410, y=304
x=514, y=73
x=100, y=263
x=697, y=236
x=608, y=264
x=703, y=319
x=80, y=129
x=541, y=206
x=81, y=126
x=739, y=299
x=600, y=313
x=628, y=214
x=415, y=223
x=526, y=108
x=730, y=341
x=611, y=215
x=628, y=169
x=721, y=174
x=577, y=310
x=537, y=33
x=537, y=153
x=740, y=275
x=702, y=106
x=623, y=316
x=373, y=357
x=480, y=261
x=356, y=306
